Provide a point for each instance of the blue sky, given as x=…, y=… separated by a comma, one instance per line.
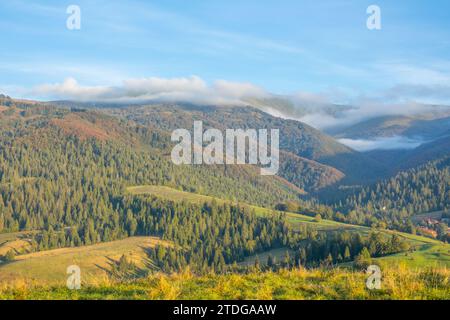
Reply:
x=283, y=46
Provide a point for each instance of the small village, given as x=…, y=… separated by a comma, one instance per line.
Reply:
x=434, y=225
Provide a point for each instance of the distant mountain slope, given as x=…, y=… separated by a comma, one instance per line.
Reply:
x=425, y=126
x=308, y=174
x=295, y=137
x=397, y=160
x=427, y=152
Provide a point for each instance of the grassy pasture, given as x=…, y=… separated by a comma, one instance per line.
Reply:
x=16, y=241
x=95, y=261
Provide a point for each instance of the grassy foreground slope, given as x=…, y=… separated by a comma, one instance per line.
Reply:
x=95, y=261
x=300, y=284
x=425, y=252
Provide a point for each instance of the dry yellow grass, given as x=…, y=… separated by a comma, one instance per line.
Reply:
x=17, y=241
x=18, y=246
x=398, y=282
x=95, y=261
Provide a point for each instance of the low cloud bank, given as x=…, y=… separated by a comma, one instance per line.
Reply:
x=316, y=109
x=359, y=111
x=390, y=143
x=191, y=89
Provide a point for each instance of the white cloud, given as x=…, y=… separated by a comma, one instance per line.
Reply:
x=159, y=87
x=390, y=143
x=315, y=109
x=192, y=89
x=329, y=116
x=71, y=89
x=324, y=121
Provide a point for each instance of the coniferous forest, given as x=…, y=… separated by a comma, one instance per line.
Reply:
x=65, y=175
x=224, y=150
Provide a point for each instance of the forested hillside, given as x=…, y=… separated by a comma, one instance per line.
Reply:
x=296, y=138
x=65, y=172
x=64, y=176
x=394, y=201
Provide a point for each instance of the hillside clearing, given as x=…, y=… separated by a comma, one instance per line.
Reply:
x=17, y=241
x=95, y=261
